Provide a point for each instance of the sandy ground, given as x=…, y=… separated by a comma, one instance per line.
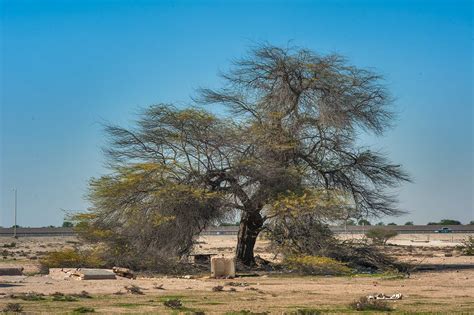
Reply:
x=447, y=291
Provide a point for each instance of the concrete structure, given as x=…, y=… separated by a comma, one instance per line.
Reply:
x=222, y=267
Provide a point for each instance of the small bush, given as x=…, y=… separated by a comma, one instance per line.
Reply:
x=133, y=289
x=173, y=303
x=13, y=308
x=30, y=296
x=83, y=295
x=317, y=265
x=468, y=246
x=70, y=258
x=58, y=296
x=11, y=245
x=380, y=235
x=364, y=304
x=218, y=288
x=84, y=309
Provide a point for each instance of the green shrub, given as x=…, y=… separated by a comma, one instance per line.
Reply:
x=364, y=304
x=58, y=296
x=13, y=308
x=468, y=246
x=317, y=265
x=84, y=309
x=380, y=235
x=173, y=303
x=31, y=296
x=70, y=258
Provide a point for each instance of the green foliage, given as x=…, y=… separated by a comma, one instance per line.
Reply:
x=30, y=296
x=143, y=218
x=409, y=223
x=364, y=304
x=363, y=222
x=392, y=223
x=446, y=222
x=287, y=146
x=60, y=297
x=71, y=258
x=68, y=224
x=299, y=235
x=11, y=245
x=173, y=303
x=468, y=246
x=229, y=224
x=315, y=265
x=350, y=222
x=380, y=235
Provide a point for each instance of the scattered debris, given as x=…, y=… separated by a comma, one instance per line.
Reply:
x=381, y=296
x=364, y=304
x=158, y=287
x=218, y=288
x=124, y=272
x=133, y=289
x=173, y=303
x=61, y=273
x=237, y=284
x=232, y=290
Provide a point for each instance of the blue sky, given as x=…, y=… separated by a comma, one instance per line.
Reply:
x=68, y=66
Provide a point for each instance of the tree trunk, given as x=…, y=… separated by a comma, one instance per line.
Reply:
x=251, y=224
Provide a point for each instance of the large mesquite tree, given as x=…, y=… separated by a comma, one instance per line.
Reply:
x=288, y=138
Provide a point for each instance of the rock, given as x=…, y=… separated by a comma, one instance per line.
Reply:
x=124, y=272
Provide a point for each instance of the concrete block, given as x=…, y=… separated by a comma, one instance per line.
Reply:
x=8, y=271
x=94, y=274
x=222, y=267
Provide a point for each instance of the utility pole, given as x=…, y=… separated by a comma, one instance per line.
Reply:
x=14, y=226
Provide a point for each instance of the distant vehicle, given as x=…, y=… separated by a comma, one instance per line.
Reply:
x=444, y=230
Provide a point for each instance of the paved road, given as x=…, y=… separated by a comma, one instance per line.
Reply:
x=232, y=230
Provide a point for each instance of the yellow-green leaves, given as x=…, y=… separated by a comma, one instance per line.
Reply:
x=322, y=202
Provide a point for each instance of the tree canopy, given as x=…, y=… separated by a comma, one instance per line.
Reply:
x=287, y=144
